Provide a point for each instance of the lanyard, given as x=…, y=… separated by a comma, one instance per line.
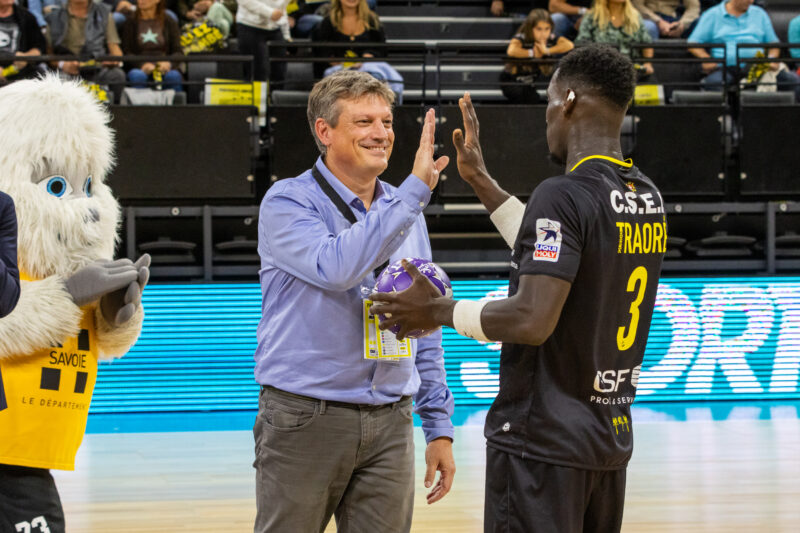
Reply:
x=341, y=205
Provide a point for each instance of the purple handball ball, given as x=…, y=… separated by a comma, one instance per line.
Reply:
x=394, y=278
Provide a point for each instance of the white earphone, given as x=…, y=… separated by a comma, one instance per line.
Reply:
x=571, y=96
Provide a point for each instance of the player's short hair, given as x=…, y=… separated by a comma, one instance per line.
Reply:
x=342, y=85
x=601, y=69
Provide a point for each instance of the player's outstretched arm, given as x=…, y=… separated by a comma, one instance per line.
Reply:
x=505, y=210
x=469, y=159
x=528, y=317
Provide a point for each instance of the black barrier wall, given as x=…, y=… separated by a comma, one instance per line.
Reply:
x=179, y=153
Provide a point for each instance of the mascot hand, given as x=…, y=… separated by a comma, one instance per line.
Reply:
x=97, y=279
x=119, y=306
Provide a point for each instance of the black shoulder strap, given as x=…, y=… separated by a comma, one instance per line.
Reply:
x=340, y=204
x=337, y=200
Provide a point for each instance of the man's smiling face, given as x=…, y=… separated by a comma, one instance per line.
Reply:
x=363, y=137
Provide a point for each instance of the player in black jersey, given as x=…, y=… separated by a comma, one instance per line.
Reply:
x=587, y=253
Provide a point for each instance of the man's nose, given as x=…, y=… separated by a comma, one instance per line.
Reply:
x=379, y=131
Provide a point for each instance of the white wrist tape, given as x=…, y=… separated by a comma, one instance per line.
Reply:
x=467, y=319
x=508, y=218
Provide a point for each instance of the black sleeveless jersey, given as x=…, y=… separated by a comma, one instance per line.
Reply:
x=567, y=402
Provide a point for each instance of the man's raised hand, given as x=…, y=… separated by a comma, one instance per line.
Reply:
x=425, y=168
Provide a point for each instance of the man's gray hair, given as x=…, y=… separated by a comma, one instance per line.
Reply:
x=342, y=85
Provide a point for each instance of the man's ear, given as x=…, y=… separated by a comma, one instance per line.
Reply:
x=569, y=101
x=323, y=130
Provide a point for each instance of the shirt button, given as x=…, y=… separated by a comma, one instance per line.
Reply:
x=402, y=232
x=422, y=204
x=506, y=427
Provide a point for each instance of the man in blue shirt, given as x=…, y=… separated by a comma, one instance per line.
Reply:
x=9, y=273
x=737, y=22
x=334, y=431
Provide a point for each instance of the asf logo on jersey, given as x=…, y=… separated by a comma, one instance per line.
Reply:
x=548, y=240
x=609, y=380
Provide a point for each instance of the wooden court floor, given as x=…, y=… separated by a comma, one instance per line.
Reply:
x=685, y=476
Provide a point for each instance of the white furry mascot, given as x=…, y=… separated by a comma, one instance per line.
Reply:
x=76, y=305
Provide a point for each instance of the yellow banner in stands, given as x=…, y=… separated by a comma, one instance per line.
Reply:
x=236, y=92
x=649, y=95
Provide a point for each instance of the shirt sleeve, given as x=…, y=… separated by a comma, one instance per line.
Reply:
x=9, y=273
x=769, y=32
x=552, y=233
x=301, y=244
x=691, y=13
x=645, y=10
x=433, y=402
x=257, y=7
x=586, y=32
x=702, y=32
x=794, y=36
x=642, y=35
x=112, y=36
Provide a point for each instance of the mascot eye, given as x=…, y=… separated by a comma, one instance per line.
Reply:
x=87, y=187
x=56, y=185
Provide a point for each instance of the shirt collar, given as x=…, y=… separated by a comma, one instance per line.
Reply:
x=724, y=7
x=628, y=163
x=347, y=195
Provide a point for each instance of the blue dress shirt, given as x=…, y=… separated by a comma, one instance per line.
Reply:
x=716, y=25
x=9, y=273
x=316, y=270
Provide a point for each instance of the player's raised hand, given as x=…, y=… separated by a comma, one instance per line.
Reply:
x=470, y=157
x=425, y=168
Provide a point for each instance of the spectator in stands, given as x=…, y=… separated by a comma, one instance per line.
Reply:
x=303, y=17
x=257, y=22
x=351, y=21
x=122, y=10
x=217, y=12
x=39, y=8
x=794, y=37
x=734, y=22
x=20, y=37
x=669, y=18
x=84, y=28
x=567, y=16
x=498, y=7
x=616, y=22
x=533, y=40
x=150, y=32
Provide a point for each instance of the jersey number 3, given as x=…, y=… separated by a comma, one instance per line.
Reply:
x=625, y=340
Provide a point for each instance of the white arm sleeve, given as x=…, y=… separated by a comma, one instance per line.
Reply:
x=508, y=218
x=467, y=319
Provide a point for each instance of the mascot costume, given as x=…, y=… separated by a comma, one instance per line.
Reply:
x=76, y=305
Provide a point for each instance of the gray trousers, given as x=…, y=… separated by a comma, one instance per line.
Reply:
x=315, y=459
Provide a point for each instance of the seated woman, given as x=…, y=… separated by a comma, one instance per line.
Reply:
x=351, y=21
x=150, y=32
x=618, y=23
x=533, y=40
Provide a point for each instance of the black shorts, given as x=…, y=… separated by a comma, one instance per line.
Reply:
x=29, y=501
x=525, y=496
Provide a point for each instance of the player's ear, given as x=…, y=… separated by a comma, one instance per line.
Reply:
x=569, y=101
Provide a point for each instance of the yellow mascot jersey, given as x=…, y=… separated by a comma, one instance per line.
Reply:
x=44, y=401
